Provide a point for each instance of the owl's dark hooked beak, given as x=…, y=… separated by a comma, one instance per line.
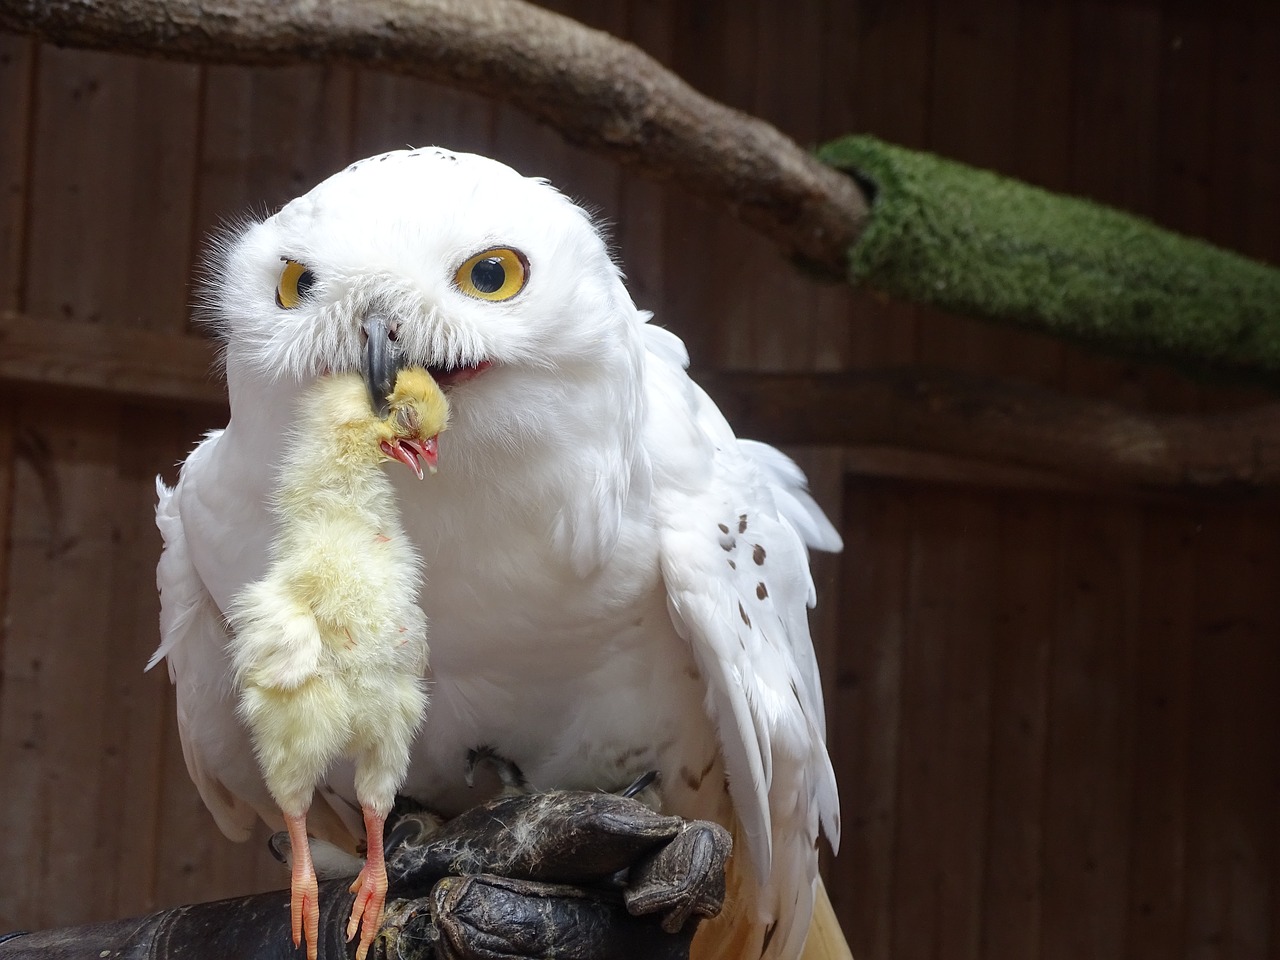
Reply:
x=383, y=360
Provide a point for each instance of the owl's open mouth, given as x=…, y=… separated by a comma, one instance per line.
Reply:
x=451, y=376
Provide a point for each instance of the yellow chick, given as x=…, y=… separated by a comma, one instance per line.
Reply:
x=329, y=647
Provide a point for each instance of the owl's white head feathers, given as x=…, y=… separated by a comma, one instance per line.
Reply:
x=562, y=357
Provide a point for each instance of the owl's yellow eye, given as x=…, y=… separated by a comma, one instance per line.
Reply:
x=295, y=282
x=497, y=274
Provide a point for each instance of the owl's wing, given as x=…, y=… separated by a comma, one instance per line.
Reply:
x=735, y=521
x=193, y=637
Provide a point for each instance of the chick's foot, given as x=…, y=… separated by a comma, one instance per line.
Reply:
x=304, y=889
x=370, y=887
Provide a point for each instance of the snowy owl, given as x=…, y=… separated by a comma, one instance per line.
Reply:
x=615, y=583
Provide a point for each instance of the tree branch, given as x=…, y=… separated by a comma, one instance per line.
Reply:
x=596, y=90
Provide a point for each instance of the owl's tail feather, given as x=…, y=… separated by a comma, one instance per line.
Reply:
x=826, y=939
x=736, y=935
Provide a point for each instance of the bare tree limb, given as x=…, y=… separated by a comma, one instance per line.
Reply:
x=596, y=90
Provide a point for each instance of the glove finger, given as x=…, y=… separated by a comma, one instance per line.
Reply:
x=683, y=878
x=497, y=918
x=557, y=837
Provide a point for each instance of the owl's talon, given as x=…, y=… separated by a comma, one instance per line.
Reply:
x=508, y=771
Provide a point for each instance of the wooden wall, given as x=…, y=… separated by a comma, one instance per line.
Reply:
x=1055, y=710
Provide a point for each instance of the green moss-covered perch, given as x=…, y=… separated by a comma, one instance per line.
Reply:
x=975, y=243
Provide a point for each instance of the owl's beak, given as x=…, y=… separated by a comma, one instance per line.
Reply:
x=383, y=359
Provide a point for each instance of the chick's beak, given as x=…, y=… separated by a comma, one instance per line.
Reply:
x=413, y=453
x=383, y=359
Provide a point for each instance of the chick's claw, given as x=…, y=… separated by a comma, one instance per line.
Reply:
x=304, y=911
x=370, y=887
x=304, y=889
x=366, y=913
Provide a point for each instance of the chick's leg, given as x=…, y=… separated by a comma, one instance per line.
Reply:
x=381, y=763
x=304, y=889
x=370, y=887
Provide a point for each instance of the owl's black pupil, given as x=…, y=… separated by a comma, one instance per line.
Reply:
x=489, y=275
x=305, y=279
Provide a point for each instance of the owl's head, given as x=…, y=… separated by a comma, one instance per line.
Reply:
x=497, y=285
x=494, y=282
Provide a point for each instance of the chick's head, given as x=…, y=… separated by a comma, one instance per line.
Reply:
x=417, y=411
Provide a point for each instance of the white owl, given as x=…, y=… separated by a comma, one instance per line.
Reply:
x=614, y=582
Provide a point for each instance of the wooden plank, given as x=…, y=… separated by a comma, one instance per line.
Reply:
x=134, y=706
x=1234, y=766
x=17, y=66
x=267, y=136
x=1022, y=628
x=641, y=205
x=9, y=681
x=923, y=467
x=1187, y=117
x=391, y=113
x=111, y=178
x=1261, y=148
x=128, y=362
x=1245, y=136
x=1090, y=749
x=1162, y=718
x=942, y=762
x=112, y=158
x=51, y=725
x=866, y=697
